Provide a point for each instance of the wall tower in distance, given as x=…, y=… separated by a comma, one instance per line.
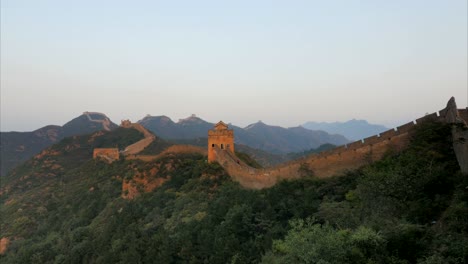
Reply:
x=220, y=137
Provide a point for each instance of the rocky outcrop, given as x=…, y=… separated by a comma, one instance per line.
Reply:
x=143, y=182
x=4, y=242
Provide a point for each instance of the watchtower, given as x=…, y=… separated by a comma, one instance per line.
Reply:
x=126, y=123
x=220, y=137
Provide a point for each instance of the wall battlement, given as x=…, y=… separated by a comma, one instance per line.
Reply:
x=347, y=157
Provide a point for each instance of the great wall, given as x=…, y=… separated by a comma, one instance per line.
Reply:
x=325, y=164
x=105, y=122
x=140, y=145
x=350, y=156
x=112, y=154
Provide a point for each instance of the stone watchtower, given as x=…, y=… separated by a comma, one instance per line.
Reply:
x=126, y=123
x=220, y=137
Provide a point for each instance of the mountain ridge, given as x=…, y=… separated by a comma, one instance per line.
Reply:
x=17, y=147
x=274, y=139
x=353, y=129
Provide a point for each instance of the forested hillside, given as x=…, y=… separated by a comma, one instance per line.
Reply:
x=18, y=147
x=410, y=207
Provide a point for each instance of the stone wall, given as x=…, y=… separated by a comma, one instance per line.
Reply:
x=105, y=122
x=463, y=114
x=139, y=146
x=350, y=156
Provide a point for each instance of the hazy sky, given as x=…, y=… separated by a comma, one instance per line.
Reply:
x=282, y=62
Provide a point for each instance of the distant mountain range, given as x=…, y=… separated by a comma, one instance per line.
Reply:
x=273, y=139
x=17, y=147
x=352, y=129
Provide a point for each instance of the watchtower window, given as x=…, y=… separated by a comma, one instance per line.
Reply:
x=222, y=146
x=212, y=145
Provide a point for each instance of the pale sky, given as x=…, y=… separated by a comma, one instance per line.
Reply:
x=282, y=62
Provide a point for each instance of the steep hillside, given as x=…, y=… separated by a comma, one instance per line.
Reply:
x=352, y=129
x=264, y=158
x=87, y=123
x=64, y=207
x=273, y=139
x=17, y=147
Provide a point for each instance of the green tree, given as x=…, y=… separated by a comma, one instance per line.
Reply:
x=308, y=242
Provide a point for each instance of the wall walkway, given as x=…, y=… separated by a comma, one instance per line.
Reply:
x=139, y=146
x=105, y=122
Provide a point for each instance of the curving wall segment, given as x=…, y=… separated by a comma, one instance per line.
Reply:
x=350, y=156
x=139, y=146
x=105, y=122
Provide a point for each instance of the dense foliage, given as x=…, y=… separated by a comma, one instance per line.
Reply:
x=407, y=208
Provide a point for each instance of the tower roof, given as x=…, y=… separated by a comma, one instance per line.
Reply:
x=221, y=126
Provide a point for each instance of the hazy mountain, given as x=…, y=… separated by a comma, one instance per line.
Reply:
x=352, y=129
x=82, y=124
x=284, y=140
x=273, y=139
x=17, y=147
x=188, y=128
